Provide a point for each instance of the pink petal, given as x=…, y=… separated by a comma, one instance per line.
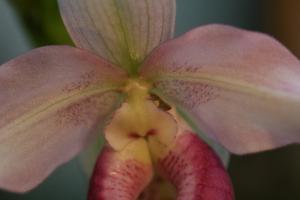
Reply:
x=240, y=87
x=52, y=102
x=195, y=170
x=121, y=174
x=124, y=32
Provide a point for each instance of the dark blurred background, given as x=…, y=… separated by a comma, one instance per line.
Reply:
x=273, y=175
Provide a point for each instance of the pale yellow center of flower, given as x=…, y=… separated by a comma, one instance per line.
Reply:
x=138, y=119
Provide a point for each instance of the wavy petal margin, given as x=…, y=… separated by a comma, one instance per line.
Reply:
x=122, y=31
x=240, y=87
x=53, y=101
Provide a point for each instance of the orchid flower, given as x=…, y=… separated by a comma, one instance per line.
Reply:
x=150, y=95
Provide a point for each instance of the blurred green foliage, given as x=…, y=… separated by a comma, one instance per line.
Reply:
x=42, y=21
x=13, y=41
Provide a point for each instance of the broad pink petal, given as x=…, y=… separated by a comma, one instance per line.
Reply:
x=53, y=100
x=124, y=32
x=240, y=87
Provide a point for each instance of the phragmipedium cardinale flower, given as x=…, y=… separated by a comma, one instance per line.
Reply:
x=150, y=95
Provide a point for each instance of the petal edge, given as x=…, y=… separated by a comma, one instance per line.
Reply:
x=48, y=99
x=124, y=32
x=241, y=87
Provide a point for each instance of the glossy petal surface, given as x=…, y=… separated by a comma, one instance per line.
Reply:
x=195, y=170
x=122, y=31
x=242, y=88
x=52, y=102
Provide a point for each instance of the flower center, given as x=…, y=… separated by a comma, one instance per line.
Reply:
x=152, y=156
x=139, y=117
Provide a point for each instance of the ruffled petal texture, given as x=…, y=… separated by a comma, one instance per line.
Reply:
x=53, y=101
x=241, y=87
x=122, y=31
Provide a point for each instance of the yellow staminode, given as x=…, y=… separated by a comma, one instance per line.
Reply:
x=139, y=118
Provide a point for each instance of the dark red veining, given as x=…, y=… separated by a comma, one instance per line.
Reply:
x=115, y=179
x=195, y=170
x=190, y=165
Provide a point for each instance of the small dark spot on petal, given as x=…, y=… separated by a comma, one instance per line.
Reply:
x=151, y=132
x=134, y=135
